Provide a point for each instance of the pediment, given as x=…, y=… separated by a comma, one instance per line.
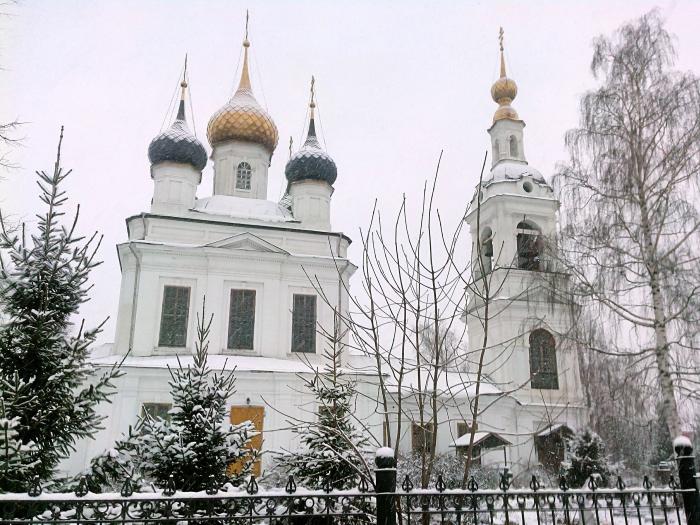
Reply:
x=248, y=242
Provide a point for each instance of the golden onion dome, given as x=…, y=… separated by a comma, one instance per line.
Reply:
x=504, y=91
x=243, y=118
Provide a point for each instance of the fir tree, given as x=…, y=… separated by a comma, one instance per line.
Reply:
x=193, y=445
x=333, y=448
x=49, y=390
x=587, y=458
x=17, y=459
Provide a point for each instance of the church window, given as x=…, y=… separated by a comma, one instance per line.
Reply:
x=241, y=320
x=543, y=360
x=422, y=437
x=243, y=176
x=496, y=152
x=174, y=314
x=304, y=324
x=156, y=410
x=464, y=428
x=530, y=245
x=513, y=144
x=487, y=250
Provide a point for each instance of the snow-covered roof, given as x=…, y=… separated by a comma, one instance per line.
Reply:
x=507, y=170
x=553, y=429
x=242, y=208
x=452, y=384
x=242, y=363
x=463, y=441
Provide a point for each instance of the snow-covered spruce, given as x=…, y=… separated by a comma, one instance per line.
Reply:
x=193, y=445
x=17, y=459
x=587, y=458
x=333, y=449
x=49, y=391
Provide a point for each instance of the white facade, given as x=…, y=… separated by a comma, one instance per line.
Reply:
x=235, y=239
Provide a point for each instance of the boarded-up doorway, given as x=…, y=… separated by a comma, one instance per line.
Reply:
x=256, y=415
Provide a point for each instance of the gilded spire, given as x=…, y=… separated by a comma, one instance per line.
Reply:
x=244, y=84
x=183, y=91
x=504, y=89
x=503, y=60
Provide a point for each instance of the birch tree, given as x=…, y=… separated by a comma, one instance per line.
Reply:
x=630, y=190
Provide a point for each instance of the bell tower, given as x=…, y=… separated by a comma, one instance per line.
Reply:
x=512, y=216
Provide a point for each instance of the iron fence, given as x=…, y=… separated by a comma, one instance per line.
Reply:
x=645, y=505
x=384, y=504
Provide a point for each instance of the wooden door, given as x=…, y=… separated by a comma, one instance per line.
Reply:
x=256, y=415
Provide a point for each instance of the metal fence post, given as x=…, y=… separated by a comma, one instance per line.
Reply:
x=385, y=485
x=686, y=475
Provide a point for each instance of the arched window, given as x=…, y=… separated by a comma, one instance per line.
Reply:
x=513, y=143
x=530, y=245
x=496, y=154
x=543, y=360
x=486, y=241
x=243, y=175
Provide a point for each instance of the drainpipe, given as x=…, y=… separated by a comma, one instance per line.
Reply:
x=137, y=281
x=342, y=273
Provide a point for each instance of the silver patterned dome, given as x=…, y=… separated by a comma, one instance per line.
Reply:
x=177, y=143
x=311, y=162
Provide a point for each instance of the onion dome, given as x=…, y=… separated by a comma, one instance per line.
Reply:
x=311, y=162
x=243, y=118
x=177, y=143
x=504, y=91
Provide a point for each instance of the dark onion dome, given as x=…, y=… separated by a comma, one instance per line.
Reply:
x=177, y=143
x=311, y=162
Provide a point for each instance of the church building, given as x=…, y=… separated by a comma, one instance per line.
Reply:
x=272, y=274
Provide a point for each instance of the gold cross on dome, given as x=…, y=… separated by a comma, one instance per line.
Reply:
x=500, y=38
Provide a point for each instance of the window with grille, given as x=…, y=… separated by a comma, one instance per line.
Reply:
x=304, y=324
x=543, y=360
x=464, y=428
x=156, y=410
x=241, y=320
x=174, y=315
x=244, y=174
x=530, y=245
x=422, y=437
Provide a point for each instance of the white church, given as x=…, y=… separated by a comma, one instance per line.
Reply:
x=252, y=257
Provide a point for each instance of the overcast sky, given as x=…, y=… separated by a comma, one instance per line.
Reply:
x=396, y=83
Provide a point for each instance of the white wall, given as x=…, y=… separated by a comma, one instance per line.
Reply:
x=228, y=155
